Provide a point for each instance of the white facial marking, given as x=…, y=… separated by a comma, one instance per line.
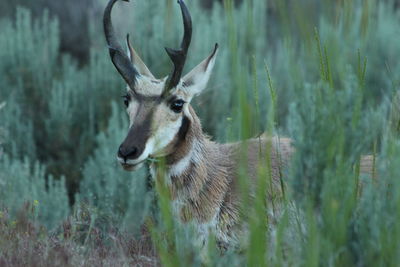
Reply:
x=156, y=143
x=132, y=110
x=163, y=136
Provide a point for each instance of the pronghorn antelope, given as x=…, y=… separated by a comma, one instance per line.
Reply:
x=201, y=174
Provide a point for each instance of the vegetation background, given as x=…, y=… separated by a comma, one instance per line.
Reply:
x=324, y=73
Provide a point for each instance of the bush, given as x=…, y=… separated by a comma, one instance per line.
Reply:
x=25, y=184
x=119, y=198
x=55, y=108
x=331, y=101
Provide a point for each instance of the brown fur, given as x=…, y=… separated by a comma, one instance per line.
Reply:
x=208, y=188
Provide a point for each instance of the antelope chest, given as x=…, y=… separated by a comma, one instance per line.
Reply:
x=202, y=229
x=184, y=210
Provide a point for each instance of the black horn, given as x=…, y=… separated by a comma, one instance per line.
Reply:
x=117, y=54
x=178, y=56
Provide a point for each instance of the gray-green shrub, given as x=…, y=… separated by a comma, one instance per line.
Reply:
x=330, y=101
x=119, y=197
x=55, y=108
x=22, y=183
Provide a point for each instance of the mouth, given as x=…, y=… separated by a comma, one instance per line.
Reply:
x=131, y=167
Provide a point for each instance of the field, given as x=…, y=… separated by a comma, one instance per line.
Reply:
x=324, y=73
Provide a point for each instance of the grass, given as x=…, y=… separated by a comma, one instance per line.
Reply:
x=328, y=86
x=76, y=243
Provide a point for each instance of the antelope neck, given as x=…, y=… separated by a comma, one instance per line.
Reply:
x=187, y=144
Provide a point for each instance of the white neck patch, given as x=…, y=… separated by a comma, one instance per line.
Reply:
x=181, y=166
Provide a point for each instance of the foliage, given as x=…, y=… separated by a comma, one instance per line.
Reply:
x=325, y=80
x=74, y=14
x=26, y=184
x=23, y=243
x=120, y=197
x=53, y=108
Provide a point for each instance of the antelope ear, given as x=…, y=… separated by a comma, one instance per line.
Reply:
x=196, y=80
x=137, y=61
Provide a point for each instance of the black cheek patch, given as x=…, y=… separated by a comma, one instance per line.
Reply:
x=184, y=128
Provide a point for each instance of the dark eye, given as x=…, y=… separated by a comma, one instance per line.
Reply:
x=177, y=105
x=127, y=99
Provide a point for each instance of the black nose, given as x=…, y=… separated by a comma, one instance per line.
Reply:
x=127, y=152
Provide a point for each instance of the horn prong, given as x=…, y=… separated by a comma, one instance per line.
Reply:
x=178, y=56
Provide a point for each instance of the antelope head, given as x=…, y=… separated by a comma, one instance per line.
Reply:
x=158, y=109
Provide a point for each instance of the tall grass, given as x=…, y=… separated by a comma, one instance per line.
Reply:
x=325, y=81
